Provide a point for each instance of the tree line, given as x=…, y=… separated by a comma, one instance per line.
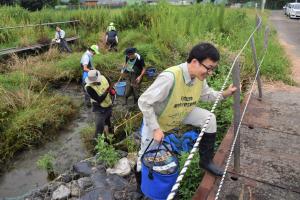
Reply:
x=34, y=5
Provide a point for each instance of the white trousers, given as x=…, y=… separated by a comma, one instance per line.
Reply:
x=196, y=118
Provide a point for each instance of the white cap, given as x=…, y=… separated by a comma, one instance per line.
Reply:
x=93, y=76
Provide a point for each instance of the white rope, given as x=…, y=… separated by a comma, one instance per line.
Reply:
x=238, y=129
x=195, y=147
x=34, y=25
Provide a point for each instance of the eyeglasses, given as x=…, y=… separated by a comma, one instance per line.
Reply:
x=209, y=69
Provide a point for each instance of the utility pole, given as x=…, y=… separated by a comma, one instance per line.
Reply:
x=263, y=2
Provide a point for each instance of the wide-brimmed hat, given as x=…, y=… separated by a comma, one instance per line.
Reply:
x=95, y=48
x=94, y=76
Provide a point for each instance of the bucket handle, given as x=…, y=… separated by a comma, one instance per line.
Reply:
x=150, y=174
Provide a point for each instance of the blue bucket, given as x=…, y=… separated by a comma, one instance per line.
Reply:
x=155, y=185
x=151, y=72
x=120, y=88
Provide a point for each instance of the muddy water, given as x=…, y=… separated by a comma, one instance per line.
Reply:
x=67, y=149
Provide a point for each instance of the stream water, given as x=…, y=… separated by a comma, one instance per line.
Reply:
x=67, y=148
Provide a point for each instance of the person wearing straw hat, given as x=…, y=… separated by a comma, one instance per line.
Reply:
x=86, y=64
x=134, y=69
x=172, y=100
x=60, y=39
x=101, y=92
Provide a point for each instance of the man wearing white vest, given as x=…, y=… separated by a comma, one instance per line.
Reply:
x=172, y=100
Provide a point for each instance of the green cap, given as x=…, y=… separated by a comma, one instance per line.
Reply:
x=95, y=48
x=111, y=24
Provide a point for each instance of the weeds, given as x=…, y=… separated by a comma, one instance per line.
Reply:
x=87, y=134
x=33, y=124
x=106, y=152
x=46, y=162
x=192, y=176
x=130, y=141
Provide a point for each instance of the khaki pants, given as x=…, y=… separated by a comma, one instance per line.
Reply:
x=196, y=118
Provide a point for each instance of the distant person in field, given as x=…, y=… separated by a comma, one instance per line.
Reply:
x=111, y=37
x=86, y=64
x=60, y=39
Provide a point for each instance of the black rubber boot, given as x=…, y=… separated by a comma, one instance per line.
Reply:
x=206, y=151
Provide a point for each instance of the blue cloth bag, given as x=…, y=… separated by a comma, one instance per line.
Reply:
x=183, y=144
x=156, y=185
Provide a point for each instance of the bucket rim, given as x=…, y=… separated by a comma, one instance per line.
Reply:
x=121, y=83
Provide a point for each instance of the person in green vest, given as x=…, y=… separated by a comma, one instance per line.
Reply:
x=111, y=27
x=172, y=100
x=101, y=93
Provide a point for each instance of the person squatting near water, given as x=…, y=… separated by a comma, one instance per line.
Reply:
x=86, y=64
x=172, y=100
x=101, y=93
x=60, y=39
x=111, y=37
x=134, y=70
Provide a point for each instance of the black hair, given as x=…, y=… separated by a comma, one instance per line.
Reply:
x=130, y=50
x=203, y=51
x=91, y=49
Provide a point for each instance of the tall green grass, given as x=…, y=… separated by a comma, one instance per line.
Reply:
x=162, y=33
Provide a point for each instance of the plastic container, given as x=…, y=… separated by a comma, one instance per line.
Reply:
x=120, y=88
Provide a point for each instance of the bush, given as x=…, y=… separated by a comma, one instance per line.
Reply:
x=106, y=152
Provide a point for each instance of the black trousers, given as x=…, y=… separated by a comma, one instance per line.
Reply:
x=102, y=118
x=63, y=45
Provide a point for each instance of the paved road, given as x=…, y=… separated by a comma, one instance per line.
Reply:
x=289, y=36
